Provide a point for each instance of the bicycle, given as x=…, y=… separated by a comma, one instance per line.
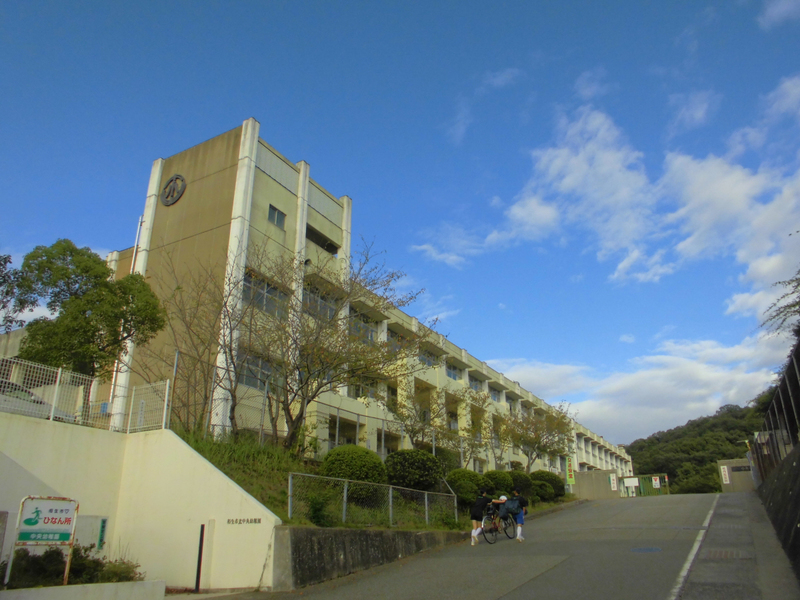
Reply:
x=493, y=522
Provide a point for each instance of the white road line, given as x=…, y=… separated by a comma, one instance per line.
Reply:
x=676, y=589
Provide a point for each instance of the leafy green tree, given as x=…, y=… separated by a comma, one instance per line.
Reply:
x=538, y=436
x=689, y=454
x=95, y=316
x=10, y=309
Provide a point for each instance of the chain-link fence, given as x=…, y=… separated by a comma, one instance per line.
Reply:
x=328, y=502
x=36, y=390
x=779, y=434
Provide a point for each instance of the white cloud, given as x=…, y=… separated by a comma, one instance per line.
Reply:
x=681, y=380
x=776, y=12
x=590, y=84
x=692, y=110
x=502, y=78
x=448, y=258
x=461, y=121
x=627, y=338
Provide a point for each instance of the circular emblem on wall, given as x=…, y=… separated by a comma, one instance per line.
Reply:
x=173, y=191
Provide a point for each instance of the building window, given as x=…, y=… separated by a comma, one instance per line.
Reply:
x=453, y=372
x=391, y=398
x=257, y=373
x=475, y=383
x=317, y=304
x=428, y=358
x=477, y=464
x=276, y=217
x=396, y=341
x=366, y=388
x=495, y=394
x=362, y=328
x=318, y=238
x=452, y=421
x=263, y=296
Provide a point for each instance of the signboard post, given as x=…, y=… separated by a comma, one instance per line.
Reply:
x=45, y=521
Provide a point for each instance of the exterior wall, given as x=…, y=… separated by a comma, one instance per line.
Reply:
x=10, y=342
x=154, y=489
x=596, y=485
x=738, y=474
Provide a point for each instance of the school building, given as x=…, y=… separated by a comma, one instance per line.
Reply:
x=214, y=204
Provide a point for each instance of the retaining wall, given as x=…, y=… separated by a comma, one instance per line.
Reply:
x=134, y=590
x=780, y=494
x=308, y=555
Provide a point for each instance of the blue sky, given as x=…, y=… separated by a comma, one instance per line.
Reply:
x=597, y=197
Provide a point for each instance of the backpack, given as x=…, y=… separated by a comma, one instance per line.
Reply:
x=512, y=506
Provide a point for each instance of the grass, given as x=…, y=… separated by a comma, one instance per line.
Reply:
x=261, y=470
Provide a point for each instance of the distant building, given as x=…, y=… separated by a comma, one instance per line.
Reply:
x=213, y=203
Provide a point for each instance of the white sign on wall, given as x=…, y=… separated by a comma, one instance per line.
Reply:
x=656, y=483
x=631, y=482
x=45, y=521
x=612, y=479
x=726, y=478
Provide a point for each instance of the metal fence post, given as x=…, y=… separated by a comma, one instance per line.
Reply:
x=391, y=494
x=426, y=509
x=55, y=395
x=166, y=405
x=130, y=412
x=338, y=413
x=344, y=504
x=291, y=489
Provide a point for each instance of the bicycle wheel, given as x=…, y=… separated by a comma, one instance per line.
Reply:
x=510, y=527
x=489, y=529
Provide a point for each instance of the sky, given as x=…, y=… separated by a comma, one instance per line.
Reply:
x=597, y=198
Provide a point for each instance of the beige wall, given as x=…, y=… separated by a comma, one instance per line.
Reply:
x=740, y=477
x=156, y=492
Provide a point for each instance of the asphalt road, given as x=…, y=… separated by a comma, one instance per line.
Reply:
x=607, y=549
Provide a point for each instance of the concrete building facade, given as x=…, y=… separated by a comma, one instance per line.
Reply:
x=218, y=202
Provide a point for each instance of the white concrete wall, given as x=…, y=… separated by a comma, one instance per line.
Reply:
x=156, y=492
x=168, y=491
x=138, y=590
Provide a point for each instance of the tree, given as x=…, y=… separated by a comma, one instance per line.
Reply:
x=781, y=316
x=95, y=316
x=10, y=306
x=284, y=331
x=538, y=436
x=316, y=327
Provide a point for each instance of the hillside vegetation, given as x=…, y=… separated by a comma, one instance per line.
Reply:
x=689, y=454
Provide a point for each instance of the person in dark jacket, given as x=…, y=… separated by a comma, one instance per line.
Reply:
x=476, y=514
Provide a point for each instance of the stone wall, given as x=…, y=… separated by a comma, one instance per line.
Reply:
x=308, y=555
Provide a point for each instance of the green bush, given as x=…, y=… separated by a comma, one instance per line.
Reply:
x=466, y=484
x=47, y=569
x=554, y=480
x=517, y=466
x=353, y=462
x=358, y=464
x=544, y=490
x=500, y=480
x=522, y=481
x=415, y=469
